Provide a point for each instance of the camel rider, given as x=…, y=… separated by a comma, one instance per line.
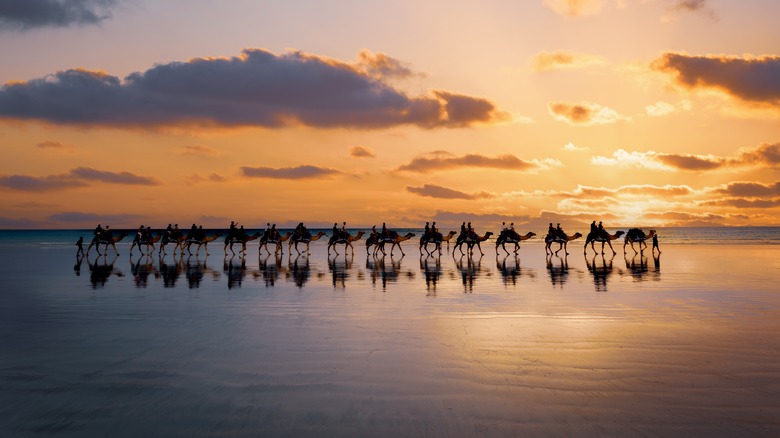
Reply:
x=107, y=233
x=274, y=234
x=434, y=230
x=139, y=235
x=169, y=231
x=602, y=232
x=470, y=231
x=241, y=232
x=373, y=232
x=384, y=230
x=551, y=231
x=559, y=232
x=98, y=231
x=232, y=231
x=344, y=233
x=463, y=229
x=593, y=228
x=336, y=230
x=427, y=233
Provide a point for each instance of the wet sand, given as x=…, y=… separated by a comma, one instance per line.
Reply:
x=531, y=346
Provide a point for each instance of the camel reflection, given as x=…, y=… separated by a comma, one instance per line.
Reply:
x=142, y=269
x=469, y=271
x=384, y=270
x=194, y=271
x=300, y=269
x=235, y=271
x=101, y=270
x=601, y=268
x=511, y=272
x=170, y=272
x=558, y=270
x=640, y=270
x=270, y=267
x=431, y=268
x=339, y=267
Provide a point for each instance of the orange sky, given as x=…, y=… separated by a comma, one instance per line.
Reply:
x=645, y=112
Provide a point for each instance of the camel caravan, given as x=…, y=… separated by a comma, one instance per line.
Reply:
x=432, y=240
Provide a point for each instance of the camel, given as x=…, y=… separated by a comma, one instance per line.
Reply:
x=148, y=242
x=437, y=240
x=264, y=241
x=334, y=240
x=205, y=242
x=594, y=237
x=178, y=242
x=306, y=238
x=511, y=236
x=637, y=235
x=242, y=239
x=470, y=241
x=98, y=240
x=373, y=239
x=448, y=237
x=394, y=238
x=563, y=243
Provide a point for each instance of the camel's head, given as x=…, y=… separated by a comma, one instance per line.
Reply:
x=620, y=233
x=576, y=235
x=531, y=234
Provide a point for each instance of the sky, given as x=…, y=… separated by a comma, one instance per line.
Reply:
x=632, y=112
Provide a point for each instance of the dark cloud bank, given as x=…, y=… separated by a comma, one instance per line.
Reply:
x=257, y=88
x=28, y=14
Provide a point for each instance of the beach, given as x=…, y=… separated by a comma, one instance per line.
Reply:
x=687, y=343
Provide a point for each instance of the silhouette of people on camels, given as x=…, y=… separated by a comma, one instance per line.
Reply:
x=599, y=234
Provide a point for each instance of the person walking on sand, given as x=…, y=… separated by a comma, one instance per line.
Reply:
x=80, y=246
x=655, y=243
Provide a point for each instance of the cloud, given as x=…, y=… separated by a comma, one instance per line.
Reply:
x=766, y=155
x=382, y=66
x=572, y=147
x=86, y=173
x=53, y=145
x=749, y=189
x=440, y=192
x=196, y=179
x=444, y=161
x=78, y=177
x=745, y=194
x=26, y=183
x=659, y=109
x=751, y=79
x=695, y=6
x=361, y=152
x=197, y=149
x=28, y=14
x=744, y=203
x=562, y=60
x=257, y=88
x=575, y=8
x=294, y=173
x=584, y=114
